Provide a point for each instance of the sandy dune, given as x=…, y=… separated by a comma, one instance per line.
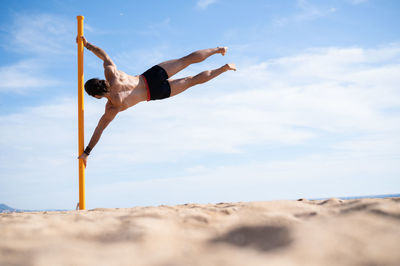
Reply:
x=331, y=232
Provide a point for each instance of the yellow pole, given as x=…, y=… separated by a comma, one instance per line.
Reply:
x=80, y=115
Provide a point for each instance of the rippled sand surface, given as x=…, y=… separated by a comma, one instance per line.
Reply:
x=330, y=232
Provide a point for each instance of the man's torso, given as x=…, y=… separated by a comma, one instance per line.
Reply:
x=126, y=90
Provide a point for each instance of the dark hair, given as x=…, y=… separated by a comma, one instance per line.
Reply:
x=96, y=86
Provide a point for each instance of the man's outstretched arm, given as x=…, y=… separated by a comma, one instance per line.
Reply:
x=105, y=120
x=100, y=53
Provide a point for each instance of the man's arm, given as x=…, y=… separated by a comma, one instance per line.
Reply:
x=105, y=120
x=110, y=70
x=100, y=53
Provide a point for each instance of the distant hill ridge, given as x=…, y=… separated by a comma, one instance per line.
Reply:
x=6, y=209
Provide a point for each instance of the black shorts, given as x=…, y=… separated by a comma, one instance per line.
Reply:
x=156, y=79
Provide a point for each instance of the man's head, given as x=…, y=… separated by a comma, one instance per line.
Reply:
x=97, y=87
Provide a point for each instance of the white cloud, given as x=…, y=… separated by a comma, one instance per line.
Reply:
x=42, y=34
x=157, y=28
x=135, y=61
x=23, y=77
x=39, y=155
x=203, y=4
x=46, y=41
x=89, y=28
x=307, y=12
x=314, y=176
x=356, y=2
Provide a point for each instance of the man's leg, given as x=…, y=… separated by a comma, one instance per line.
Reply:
x=174, y=66
x=180, y=85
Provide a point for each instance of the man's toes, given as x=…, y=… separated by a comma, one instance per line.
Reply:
x=232, y=66
x=223, y=50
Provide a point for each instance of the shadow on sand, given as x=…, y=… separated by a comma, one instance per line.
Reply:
x=262, y=238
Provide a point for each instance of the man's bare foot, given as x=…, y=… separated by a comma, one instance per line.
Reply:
x=222, y=50
x=230, y=67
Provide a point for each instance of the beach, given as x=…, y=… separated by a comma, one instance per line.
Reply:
x=287, y=232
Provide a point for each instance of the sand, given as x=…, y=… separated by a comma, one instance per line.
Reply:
x=324, y=232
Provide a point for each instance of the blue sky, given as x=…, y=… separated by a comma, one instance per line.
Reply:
x=313, y=110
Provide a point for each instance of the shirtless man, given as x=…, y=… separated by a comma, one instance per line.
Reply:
x=124, y=91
